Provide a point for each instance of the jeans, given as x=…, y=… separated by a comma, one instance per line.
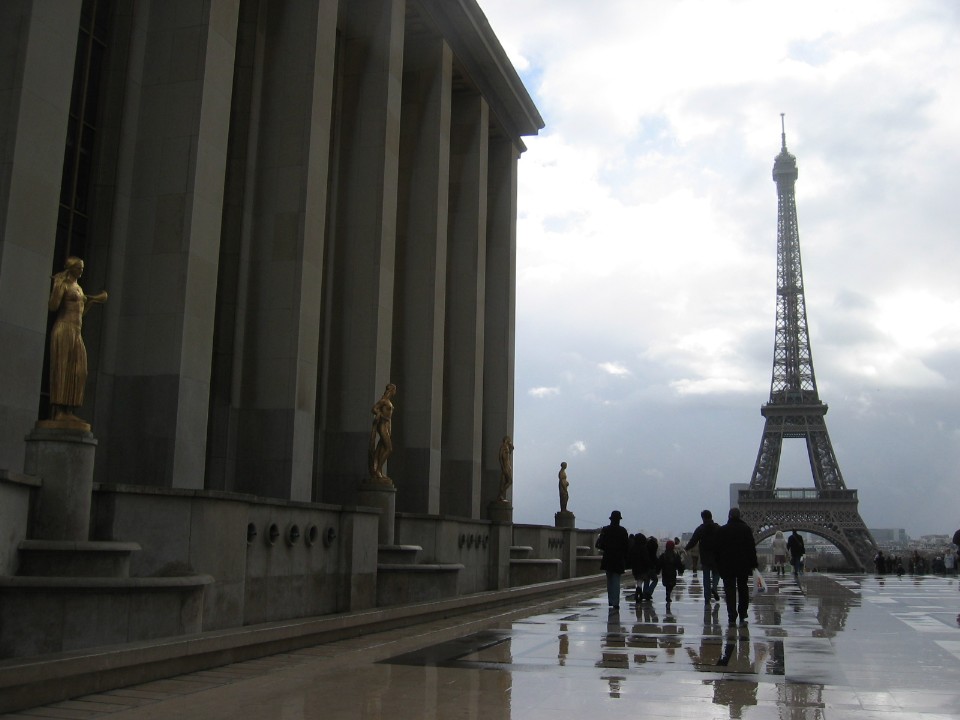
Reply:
x=613, y=589
x=649, y=584
x=711, y=583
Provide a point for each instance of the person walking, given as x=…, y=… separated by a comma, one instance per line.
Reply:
x=797, y=551
x=653, y=570
x=736, y=560
x=639, y=562
x=670, y=567
x=613, y=542
x=779, y=553
x=705, y=538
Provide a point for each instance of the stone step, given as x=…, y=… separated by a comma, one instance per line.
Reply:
x=529, y=571
x=586, y=551
x=72, y=559
x=398, y=554
x=519, y=552
x=399, y=583
x=56, y=614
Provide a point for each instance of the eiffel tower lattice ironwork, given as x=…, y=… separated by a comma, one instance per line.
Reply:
x=795, y=411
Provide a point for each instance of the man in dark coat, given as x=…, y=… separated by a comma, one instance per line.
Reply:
x=706, y=537
x=736, y=560
x=797, y=551
x=614, y=543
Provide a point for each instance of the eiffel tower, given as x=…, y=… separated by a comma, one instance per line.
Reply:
x=795, y=411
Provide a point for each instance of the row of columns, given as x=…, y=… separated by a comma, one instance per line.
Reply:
x=300, y=207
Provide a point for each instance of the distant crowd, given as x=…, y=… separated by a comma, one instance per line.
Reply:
x=723, y=553
x=944, y=563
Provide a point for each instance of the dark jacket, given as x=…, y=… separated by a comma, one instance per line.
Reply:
x=795, y=546
x=613, y=542
x=670, y=566
x=736, y=549
x=638, y=559
x=706, y=537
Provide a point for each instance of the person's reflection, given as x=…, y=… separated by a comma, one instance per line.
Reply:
x=645, y=630
x=736, y=694
x=614, y=682
x=564, y=650
x=710, y=646
x=649, y=614
x=671, y=630
x=614, y=644
x=731, y=645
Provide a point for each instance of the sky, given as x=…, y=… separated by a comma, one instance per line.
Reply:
x=646, y=251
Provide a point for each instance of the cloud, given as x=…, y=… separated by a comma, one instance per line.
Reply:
x=577, y=448
x=543, y=392
x=647, y=231
x=614, y=368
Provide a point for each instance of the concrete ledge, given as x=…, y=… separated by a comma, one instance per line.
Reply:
x=107, y=546
x=19, y=479
x=39, y=582
x=420, y=567
x=40, y=680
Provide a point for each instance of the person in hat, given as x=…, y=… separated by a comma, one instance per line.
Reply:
x=613, y=542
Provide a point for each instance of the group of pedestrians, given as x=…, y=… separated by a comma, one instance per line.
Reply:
x=726, y=552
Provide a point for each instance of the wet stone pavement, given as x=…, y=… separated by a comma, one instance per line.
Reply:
x=831, y=647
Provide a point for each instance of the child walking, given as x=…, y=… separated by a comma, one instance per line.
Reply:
x=670, y=566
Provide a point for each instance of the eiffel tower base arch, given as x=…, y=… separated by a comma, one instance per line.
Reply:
x=831, y=514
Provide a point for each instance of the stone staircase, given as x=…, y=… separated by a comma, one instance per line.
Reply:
x=70, y=595
x=527, y=570
x=403, y=579
x=588, y=561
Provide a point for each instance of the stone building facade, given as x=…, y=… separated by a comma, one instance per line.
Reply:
x=291, y=203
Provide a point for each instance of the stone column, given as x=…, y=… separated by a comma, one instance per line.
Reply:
x=63, y=460
x=384, y=499
x=358, y=342
x=466, y=278
x=499, y=311
x=39, y=46
x=278, y=292
x=179, y=85
x=498, y=572
x=421, y=282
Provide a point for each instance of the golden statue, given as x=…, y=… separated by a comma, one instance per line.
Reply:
x=68, y=355
x=564, y=487
x=381, y=442
x=506, y=467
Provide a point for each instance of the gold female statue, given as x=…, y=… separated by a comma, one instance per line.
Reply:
x=68, y=355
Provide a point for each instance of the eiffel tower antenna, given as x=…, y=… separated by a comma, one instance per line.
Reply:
x=794, y=410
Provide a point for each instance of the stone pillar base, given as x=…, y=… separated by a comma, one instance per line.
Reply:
x=62, y=458
x=500, y=512
x=564, y=519
x=383, y=497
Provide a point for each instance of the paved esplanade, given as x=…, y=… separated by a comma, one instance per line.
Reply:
x=837, y=647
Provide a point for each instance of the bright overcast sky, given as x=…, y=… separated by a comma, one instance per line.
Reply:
x=647, y=250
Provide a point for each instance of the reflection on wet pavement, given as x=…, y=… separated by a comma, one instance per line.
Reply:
x=828, y=647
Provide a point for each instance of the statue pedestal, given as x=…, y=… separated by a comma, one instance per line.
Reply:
x=500, y=512
x=382, y=496
x=564, y=519
x=62, y=457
